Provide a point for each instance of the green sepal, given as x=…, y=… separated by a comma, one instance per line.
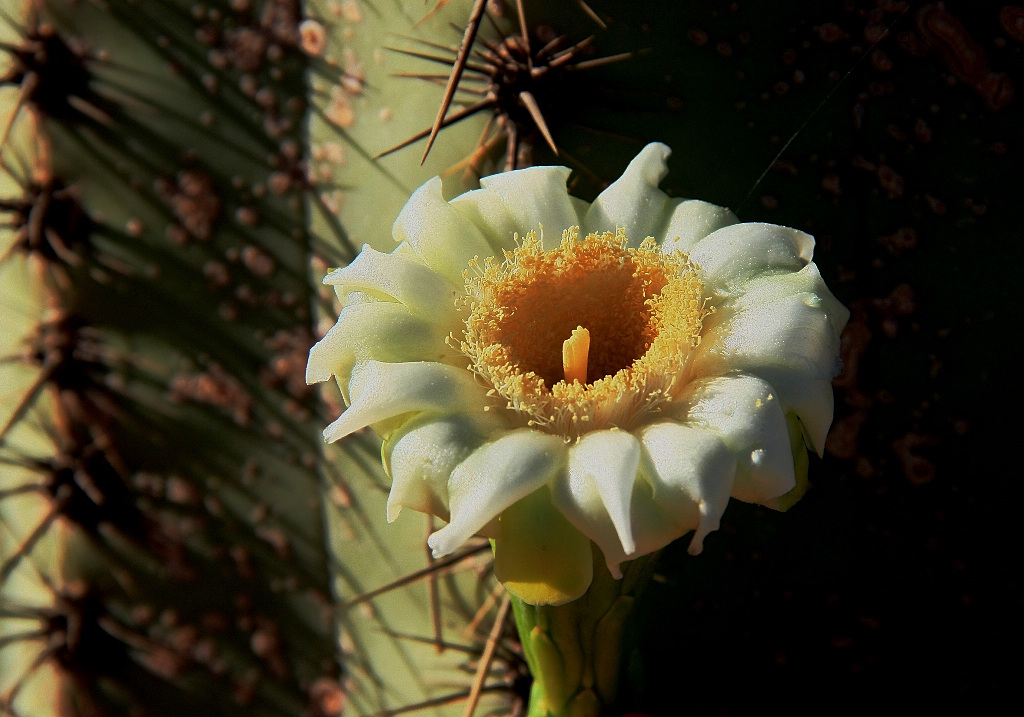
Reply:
x=539, y=556
x=801, y=464
x=550, y=671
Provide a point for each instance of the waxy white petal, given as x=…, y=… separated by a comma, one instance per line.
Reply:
x=767, y=352
x=688, y=467
x=633, y=201
x=519, y=202
x=441, y=235
x=775, y=287
x=785, y=329
x=746, y=413
x=494, y=477
x=732, y=256
x=381, y=330
x=380, y=391
x=596, y=490
x=392, y=277
x=691, y=221
x=421, y=455
x=792, y=332
x=809, y=398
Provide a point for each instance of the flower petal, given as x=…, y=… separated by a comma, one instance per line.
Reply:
x=775, y=287
x=633, y=201
x=421, y=455
x=746, y=413
x=810, y=398
x=596, y=491
x=792, y=332
x=441, y=236
x=381, y=391
x=732, y=256
x=784, y=328
x=380, y=330
x=494, y=477
x=393, y=277
x=691, y=471
x=691, y=221
x=520, y=202
x=538, y=555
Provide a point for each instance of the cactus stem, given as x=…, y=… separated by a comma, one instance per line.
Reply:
x=460, y=115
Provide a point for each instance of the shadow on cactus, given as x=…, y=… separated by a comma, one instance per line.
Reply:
x=158, y=546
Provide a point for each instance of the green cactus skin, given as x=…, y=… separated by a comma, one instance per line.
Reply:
x=182, y=440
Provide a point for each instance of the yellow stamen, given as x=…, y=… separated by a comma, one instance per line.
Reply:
x=643, y=310
x=574, y=355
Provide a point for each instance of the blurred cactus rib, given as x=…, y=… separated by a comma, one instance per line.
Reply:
x=177, y=176
x=163, y=548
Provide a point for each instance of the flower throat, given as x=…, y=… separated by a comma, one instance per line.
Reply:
x=635, y=313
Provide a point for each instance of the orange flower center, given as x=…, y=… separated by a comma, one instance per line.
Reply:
x=589, y=335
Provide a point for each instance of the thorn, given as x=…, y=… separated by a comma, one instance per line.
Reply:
x=435, y=595
x=413, y=577
x=461, y=63
x=91, y=111
x=483, y=41
x=551, y=46
x=7, y=701
x=473, y=163
x=560, y=58
x=492, y=599
x=472, y=66
x=497, y=31
x=591, y=174
x=512, y=148
x=530, y=102
x=588, y=64
x=28, y=86
x=6, y=640
x=26, y=400
x=433, y=76
x=21, y=489
x=460, y=115
x=485, y=659
x=464, y=649
x=433, y=11
x=26, y=547
x=61, y=248
x=443, y=80
x=591, y=14
x=426, y=704
x=436, y=45
x=526, y=33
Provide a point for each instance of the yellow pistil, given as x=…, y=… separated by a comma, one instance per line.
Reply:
x=574, y=355
x=642, y=309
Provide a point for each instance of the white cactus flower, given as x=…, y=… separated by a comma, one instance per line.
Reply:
x=548, y=372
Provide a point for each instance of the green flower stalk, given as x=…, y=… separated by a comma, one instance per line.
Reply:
x=582, y=383
x=578, y=651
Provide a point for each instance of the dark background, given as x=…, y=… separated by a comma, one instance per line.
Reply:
x=897, y=133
